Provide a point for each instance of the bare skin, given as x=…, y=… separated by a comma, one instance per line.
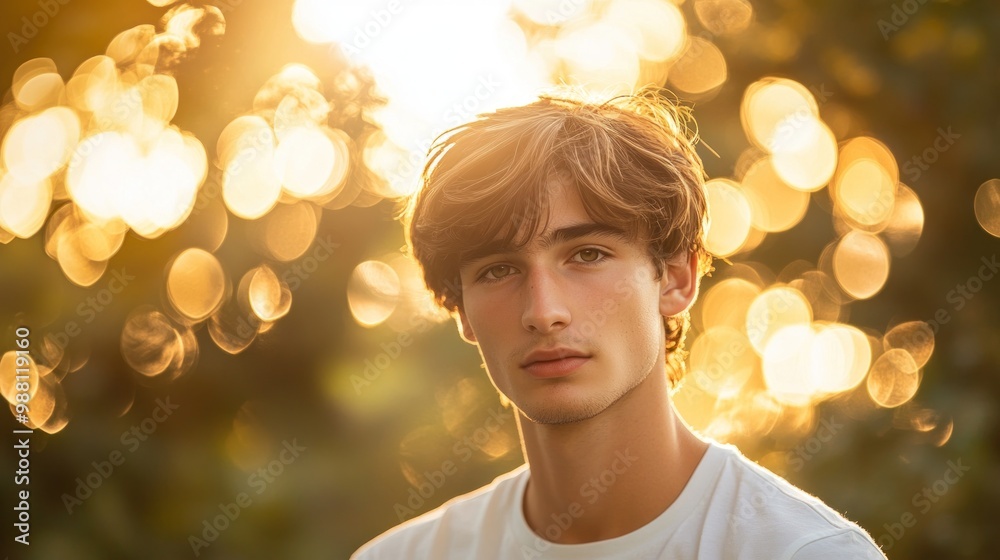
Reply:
x=598, y=429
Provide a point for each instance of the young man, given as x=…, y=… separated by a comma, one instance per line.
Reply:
x=566, y=238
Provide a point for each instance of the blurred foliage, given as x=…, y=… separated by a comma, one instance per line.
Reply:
x=364, y=448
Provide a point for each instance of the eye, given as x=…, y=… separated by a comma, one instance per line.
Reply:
x=496, y=272
x=591, y=255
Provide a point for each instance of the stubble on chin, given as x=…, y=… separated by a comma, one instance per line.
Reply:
x=554, y=412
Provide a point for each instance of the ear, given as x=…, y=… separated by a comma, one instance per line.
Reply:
x=464, y=328
x=679, y=284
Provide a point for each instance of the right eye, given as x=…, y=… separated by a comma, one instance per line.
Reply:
x=496, y=273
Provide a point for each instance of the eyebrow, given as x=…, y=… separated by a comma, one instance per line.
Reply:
x=551, y=238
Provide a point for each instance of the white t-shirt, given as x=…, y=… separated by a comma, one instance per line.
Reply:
x=730, y=508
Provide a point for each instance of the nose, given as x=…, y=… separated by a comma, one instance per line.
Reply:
x=545, y=303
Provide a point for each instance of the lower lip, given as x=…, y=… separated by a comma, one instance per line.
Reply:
x=555, y=368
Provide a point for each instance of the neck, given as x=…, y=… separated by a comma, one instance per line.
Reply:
x=612, y=473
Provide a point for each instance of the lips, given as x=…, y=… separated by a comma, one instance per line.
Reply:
x=555, y=362
x=552, y=354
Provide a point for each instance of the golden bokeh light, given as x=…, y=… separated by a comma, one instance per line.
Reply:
x=774, y=205
x=553, y=12
x=416, y=309
x=167, y=182
x=865, y=192
x=149, y=343
x=726, y=303
x=88, y=246
x=158, y=96
x=100, y=242
x=130, y=46
x=304, y=160
x=99, y=170
x=729, y=217
x=822, y=293
x=916, y=337
x=987, y=206
x=36, y=84
x=894, y=378
x=318, y=21
x=196, y=283
x=181, y=20
x=286, y=232
x=657, y=28
x=43, y=403
x=841, y=356
x=241, y=138
x=23, y=205
x=269, y=298
x=75, y=264
x=906, y=223
x=721, y=361
x=35, y=147
x=771, y=106
x=186, y=358
x=250, y=186
x=804, y=152
x=788, y=366
x=802, y=363
x=9, y=363
x=372, y=292
x=861, y=264
x=599, y=56
x=700, y=69
x=724, y=17
x=232, y=329
x=865, y=184
x=772, y=310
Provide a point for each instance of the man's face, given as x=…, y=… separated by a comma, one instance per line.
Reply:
x=580, y=292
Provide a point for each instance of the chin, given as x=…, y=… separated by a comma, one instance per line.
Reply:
x=554, y=410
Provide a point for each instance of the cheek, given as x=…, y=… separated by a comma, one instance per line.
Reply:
x=640, y=325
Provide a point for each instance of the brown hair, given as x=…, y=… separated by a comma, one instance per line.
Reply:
x=631, y=159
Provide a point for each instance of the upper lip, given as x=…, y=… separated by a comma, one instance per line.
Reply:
x=552, y=354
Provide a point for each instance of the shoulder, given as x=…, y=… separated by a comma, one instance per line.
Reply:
x=768, y=510
x=458, y=520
